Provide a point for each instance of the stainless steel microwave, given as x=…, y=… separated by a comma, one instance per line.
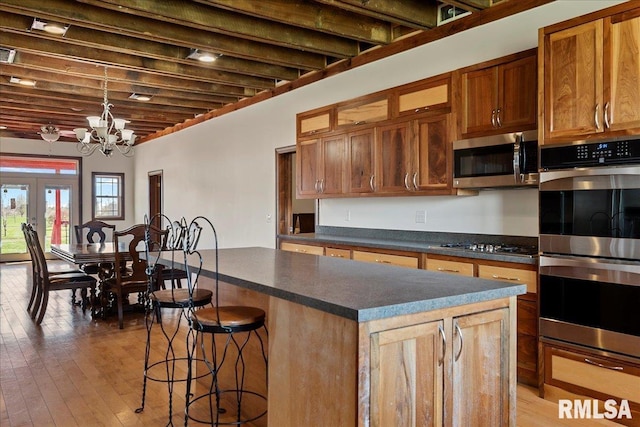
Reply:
x=506, y=160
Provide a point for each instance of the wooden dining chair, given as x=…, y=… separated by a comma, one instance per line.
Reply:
x=46, y=281
x=94, y=231
x=130, y=271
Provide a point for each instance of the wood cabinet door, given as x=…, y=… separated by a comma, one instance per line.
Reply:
x=573, y=82
x=518, y=95
x=479, y=100
x=480, y=373
x=431, y=153
x=361, y=161
x=307, y=159
x=333, y=165
x=407, y=376
x=394, y=160
x=622, y=77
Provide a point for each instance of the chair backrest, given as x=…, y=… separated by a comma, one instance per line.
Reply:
x=36, y=251
x=27, y=238
x=193, y=259
x=93, y=228
x=135, y=238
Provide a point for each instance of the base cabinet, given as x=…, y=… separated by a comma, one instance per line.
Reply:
x=450, y=371
x=407, y=376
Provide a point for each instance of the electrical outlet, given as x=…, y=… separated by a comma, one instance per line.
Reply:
x=421, y=217
x=268, y=218
x=348, y=216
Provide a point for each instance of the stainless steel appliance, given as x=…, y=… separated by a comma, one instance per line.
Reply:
x=590, y=245
x=505, y=160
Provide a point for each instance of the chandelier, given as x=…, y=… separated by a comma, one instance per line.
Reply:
x=107, y=133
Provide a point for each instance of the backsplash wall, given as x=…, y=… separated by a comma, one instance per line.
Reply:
x=511, y=212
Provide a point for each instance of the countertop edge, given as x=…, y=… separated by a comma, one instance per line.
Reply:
x=426, y=247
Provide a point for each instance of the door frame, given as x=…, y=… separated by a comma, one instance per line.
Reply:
x=155, y=188
x=36, y=201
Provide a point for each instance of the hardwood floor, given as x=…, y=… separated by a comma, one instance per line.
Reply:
x=75, y=371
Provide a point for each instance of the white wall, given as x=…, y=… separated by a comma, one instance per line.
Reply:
x=94, y=163
x=225, y=168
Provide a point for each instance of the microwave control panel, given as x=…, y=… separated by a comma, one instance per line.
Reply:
x=590, y=154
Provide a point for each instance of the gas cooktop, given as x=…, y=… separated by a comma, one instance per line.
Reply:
x=494, y=248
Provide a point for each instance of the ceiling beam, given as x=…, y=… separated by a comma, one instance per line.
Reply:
x=233, y=24
x=142, y=27
x=309, y=15
x=63, y=49
x=417, y=14
x=27, y=62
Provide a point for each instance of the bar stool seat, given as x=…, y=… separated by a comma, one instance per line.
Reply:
x=179, y=297
x=228, y=319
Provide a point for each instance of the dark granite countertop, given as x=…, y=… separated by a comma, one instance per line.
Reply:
x=351, y=289
x=424, y=242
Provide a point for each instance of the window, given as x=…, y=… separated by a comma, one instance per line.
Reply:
x=108, y=195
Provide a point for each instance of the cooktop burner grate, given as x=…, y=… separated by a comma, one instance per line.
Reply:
x=494, y=248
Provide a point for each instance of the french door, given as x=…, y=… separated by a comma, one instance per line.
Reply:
x=49, y=203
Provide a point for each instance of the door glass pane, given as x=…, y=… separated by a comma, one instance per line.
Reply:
x=15, y=211
x=57, y=216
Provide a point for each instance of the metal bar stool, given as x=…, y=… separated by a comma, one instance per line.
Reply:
x=235, y=325
x=162, y=367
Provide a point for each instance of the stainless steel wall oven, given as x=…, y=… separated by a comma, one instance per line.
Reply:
x=590, y=245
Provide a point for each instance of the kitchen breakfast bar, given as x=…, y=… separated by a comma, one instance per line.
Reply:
x=359, y=344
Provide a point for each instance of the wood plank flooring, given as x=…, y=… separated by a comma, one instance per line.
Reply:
x=76, y=371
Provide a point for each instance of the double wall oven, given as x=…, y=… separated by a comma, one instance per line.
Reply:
x=590, y=245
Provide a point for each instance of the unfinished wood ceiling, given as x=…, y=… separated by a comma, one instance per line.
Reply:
x=148, y=46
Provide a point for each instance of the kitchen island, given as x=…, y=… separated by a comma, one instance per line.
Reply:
x=357, y=344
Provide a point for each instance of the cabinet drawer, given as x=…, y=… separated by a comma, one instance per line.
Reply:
x=423, y=98
x=453, y=267
x=304, y=249
x=506, y=274
x=399, y=260
x=592, y=375
x=315, y=121
x=363, y=113
x=338, y=253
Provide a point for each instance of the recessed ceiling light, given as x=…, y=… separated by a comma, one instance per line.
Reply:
x=140, y=97
x=55, y=28
x=202, y=56
x=23, y=82
x=7, y=55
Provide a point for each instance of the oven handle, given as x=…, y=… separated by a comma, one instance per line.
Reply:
x=591, y=178
x=591, y=269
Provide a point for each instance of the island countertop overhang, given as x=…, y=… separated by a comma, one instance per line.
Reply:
x=351, y=289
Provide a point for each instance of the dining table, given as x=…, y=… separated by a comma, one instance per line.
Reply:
x=103, y=254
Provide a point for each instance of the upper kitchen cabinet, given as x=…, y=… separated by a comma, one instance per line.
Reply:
x=423, y=96
x=361, y=161
x=394, y=166
x=321, y=165
x=432, y=154
x=367, y=110
x=315, y=122
x=413, y=156
x=592, y=77
x=499, y=96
